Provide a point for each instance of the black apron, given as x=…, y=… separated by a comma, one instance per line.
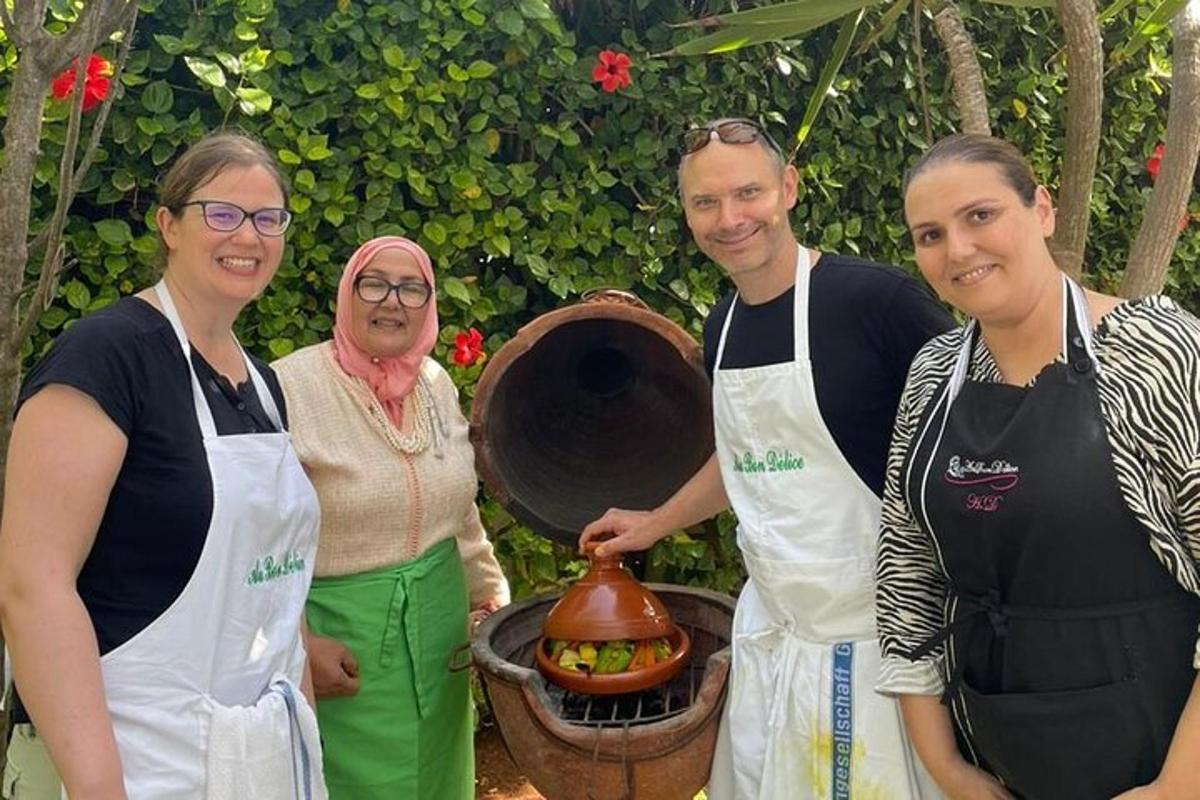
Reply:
x=1069, y=645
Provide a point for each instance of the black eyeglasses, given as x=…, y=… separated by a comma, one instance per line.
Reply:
x=734, y=131
x=226, y=217
x=410, y=294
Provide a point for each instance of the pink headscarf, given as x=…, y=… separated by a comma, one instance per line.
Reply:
x=391, y=379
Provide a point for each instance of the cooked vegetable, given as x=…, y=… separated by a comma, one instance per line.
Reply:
x=608, y=658
x=588, y=654
x=614, y=657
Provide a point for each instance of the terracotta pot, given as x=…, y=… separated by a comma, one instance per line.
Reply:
x=619, y=682
x=607, y=603
x=597, y=405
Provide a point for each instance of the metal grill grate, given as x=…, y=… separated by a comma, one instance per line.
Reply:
x=626, y=710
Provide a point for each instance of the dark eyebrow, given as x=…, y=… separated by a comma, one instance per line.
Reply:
x=982, y=201
x=971, y=206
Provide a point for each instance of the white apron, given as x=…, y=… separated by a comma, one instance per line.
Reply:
x=802, y=719
x=204, y=700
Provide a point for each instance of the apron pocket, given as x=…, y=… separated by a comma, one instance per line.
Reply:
x=1081, y=744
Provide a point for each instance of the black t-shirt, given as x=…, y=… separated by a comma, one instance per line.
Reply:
x=126, y=358
x=866, y=321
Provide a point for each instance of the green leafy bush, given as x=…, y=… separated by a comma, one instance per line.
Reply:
x=474, y=127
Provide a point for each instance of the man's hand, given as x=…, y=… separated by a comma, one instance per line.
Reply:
x=334, y=668
x=630, y=530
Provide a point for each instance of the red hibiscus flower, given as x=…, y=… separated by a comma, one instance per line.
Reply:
x=468, y=348
x=95, y=84
x=1154, y=162
x=611, y=70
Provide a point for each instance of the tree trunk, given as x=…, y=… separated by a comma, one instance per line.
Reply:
x=22, y=131
x=969, y=94
x=1085, y=98
x=1150, y=256
x=40, y=56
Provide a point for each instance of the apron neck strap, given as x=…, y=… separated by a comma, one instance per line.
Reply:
x=799, y=312
x=1076, y=335
x=208, y=427
x=800, y=305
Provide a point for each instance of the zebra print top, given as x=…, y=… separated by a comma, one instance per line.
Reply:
x=1149, y=389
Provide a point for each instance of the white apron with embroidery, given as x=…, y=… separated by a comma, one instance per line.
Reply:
x=204, y=701
x=801, y=719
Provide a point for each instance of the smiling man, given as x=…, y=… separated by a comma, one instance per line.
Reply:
x=808, y=358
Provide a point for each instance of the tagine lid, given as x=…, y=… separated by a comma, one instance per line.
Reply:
x=607, y=603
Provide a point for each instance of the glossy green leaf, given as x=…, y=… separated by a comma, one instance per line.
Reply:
x=456, y=289
x=114, y=231
x=78, y=296
x=435, y=232
x=481, y=69
x=206, y=71
x=254, y=100
x=158, y=97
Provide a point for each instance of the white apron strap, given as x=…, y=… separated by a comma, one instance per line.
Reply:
x=204, y=415
x=799, y=313
x=1072, y=293
x=800, y=306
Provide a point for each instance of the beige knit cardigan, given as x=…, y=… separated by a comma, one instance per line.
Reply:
x=381, y=506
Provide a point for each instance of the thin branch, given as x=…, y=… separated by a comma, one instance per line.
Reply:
x=98, y=123
x=10, y=27
x=89, y=154
x=52, y=259
x=97, y=17
x=1150, y=256
x=919, y=47
x=966, y=77
x=1085, y=100
x=27, y=19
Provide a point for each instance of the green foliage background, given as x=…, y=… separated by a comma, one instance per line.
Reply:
x=474, y=127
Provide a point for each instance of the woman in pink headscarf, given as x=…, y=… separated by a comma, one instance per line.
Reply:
x=402, y=559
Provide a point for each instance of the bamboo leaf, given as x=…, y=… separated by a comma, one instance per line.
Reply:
x=782, y=13
x=1154, y=23
x=829, y=73
x=1113, y=9
x=1023, y=3
x=886, y=22
x=729, y=39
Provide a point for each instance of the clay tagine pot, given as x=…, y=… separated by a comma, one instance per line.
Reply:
x=608, y=604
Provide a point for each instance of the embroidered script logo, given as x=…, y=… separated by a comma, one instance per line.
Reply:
x=772, y=461
x=268, y=569
x=987, y=481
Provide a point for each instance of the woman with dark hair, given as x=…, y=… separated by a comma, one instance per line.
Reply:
x=1039, y=559
x=159, y=533
x=404, y=560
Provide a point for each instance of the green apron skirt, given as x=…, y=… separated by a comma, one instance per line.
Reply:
x=408, y=733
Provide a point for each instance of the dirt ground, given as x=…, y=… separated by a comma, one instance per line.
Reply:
x=496, y=776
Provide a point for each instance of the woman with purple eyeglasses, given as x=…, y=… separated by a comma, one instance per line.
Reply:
x=159, y=533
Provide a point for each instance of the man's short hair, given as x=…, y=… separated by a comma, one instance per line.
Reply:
x=763, y=140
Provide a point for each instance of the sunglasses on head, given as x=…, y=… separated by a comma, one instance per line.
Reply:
x=734, y=131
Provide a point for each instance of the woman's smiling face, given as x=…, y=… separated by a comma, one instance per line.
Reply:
x=979, y=246
x=387, y=329
x=224, y=267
